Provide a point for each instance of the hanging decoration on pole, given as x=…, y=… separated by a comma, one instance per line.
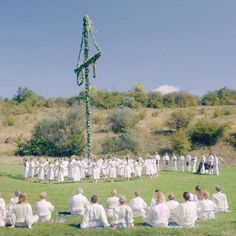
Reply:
x=82, y=71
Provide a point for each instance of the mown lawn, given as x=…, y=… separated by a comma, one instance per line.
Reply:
x=59, y=195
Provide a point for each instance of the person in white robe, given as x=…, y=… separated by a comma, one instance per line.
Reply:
x=194, y=164
x=3, y=212
x=128, y=169
x=153, y=200
x=95, y=215
x=202, y=164
x=206, y=208
x=166, y=160
x=138, y=169
x=26, y=169
x=56, y=164
x=158, y=159
x=138, y=205
x=211, y=162
x=78, y=203
x=181, y=163
x=148, y=167
x=112, y=170
x=174, y=162
x=188, y=163
x=13, y=201
x=220, y=200
x=31, y=170
x=112, y=203
x=22, y=215
x=216, y=166
x=172, y=204
x=185, y=214
x=50, y=172
x=95, y=172
x=122, y=215
x=158, y=214
x=61, y=172
x=40, y=171
x=198, y=196
x=44, y=208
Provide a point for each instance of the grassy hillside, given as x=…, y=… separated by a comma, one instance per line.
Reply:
x=152, y=126
x=59, y=195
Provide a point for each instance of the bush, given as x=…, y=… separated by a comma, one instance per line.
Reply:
x=179, y=119
x=122, y=144
x=232, y=139
x=57, y=137
x=155, y=100
x=223, y=112
x=123, y=119
x=9, y=120
x=180, y=142
x=206, y=133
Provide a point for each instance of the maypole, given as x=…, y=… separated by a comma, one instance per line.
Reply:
x=82, y=72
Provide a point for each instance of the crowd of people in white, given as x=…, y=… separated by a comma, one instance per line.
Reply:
x=76, y=169
x=159, y=213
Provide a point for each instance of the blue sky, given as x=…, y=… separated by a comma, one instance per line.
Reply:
x=186, y=43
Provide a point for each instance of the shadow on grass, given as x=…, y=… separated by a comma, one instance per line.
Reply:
x=11, y=176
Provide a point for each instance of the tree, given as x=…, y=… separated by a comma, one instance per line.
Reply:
x=180, y=142
x=123, y=119
x=205, y=133
x=23, y=94
x=139, y=94
x=179, y=119
x=57, y=137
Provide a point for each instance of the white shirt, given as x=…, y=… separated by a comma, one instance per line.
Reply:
x=185, y=214
x=112, y=202
x=44, y=208
x=221, y=202
x=94, y=216
x=78, y=204
x=2, y=212
x=206, y=210
x=172, y=204
x=123, y=216
x=138, y=206
x=158, y=215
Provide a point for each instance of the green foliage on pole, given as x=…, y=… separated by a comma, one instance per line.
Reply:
x=82, y=72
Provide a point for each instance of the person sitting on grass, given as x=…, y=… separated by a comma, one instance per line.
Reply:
x=22, y=215
x=122, y=215
x=44, y=208
x=138, y=205
x=185, y=214
x=112, y=202
x=95, y=215
x=206, y=208
x=78, y=203
x=3, y=212
x=172, y=204
x=220, y=200
x=159, y=214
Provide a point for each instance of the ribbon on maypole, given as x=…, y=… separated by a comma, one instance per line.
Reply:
x=82, y=72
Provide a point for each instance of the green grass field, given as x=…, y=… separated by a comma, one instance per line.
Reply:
x=59, y=195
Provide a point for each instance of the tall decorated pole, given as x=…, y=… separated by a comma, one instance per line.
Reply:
x=82, y=72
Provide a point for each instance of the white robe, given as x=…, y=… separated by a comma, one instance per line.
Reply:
x=128, y=171
x=181, y=163
x=194, y=164
x=44, y=210
x=138, y=169
x=31, y=169
x=220, y=201
x=41, y=171
x=216, y=166
x=188, y=163
x=26, y=169
x=185, y=214
x=112, y=173
x=50, y=172
x=94, y=216
x=3, y=212
x=174, y=163
x=206, y=210
x=138, y=206
x=22, y=215
x=78, y=204
x=122, y=217
x=172, y=204
x=112, y=203
x=158, y=215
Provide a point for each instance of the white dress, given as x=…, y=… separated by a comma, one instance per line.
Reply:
x=50, y=172
x=112, y=173
x=26, y=169
x=41, y=171
x=127, y=171
x=138, y=206
x=95, y=171
x=216, y=166
x=3, y=212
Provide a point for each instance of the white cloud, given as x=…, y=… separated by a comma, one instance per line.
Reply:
x=165, y=89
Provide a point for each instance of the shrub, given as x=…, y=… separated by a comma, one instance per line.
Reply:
x=222, y=112
x=57, y=137
x=123, y=119
x=179, y=119
x=180, y=142
x=125, y=143
x=232, y=139
x=9, y=120
x=205, y=133
x=155, y=100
